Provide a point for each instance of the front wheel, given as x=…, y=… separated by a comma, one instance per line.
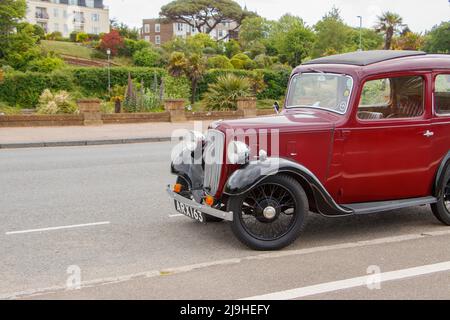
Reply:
x=270, y=216
x=441, y=209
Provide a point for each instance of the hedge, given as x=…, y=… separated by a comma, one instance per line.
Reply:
x=276, y=81
x=23, y=89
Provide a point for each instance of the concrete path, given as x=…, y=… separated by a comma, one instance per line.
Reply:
x=28, y=137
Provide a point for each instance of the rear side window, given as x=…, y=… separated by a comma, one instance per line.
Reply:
x=392, y=98
x=442, y=94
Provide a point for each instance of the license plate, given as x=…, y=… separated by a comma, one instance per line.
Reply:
x=189, y=211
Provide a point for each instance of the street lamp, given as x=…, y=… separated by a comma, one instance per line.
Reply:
x=360, y=33
x=108, y=52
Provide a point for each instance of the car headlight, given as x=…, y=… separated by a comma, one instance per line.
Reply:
x=238, y=152
x=192, y=140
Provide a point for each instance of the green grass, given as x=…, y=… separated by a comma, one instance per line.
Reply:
x=67, y=48
x=5, y=109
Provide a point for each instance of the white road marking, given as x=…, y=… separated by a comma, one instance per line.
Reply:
x=353, y=282
x=176, y=215
x=204, y=265
x=58, y=228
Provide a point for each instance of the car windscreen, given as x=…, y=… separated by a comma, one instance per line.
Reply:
x=320, y=90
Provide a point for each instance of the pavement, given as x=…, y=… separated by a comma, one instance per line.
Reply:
x=28, y=137
x=100, y=214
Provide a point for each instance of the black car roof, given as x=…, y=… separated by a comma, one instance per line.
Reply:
x=364, y=58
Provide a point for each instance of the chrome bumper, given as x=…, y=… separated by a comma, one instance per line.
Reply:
x=228, y=216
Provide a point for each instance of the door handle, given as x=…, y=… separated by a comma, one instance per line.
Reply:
x=428, y=134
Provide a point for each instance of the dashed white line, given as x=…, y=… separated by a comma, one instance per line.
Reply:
x=176, y=215
x=353, y=282
x=58, y=228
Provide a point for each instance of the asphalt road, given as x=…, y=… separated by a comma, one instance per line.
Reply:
x=101, y=212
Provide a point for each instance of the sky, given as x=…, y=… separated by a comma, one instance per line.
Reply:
x=420, y=15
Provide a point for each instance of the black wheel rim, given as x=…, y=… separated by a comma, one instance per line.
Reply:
x=258, y=218
x=447, y=196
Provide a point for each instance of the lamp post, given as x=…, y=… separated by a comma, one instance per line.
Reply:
x=360, y=33
x=108, y=52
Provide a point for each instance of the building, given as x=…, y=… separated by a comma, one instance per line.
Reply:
x=159, y=31
x=66, y=16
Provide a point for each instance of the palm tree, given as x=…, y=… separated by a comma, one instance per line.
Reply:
x=389, y=23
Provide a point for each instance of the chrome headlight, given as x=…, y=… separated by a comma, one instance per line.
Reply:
x=238, y=152
x=192, y=140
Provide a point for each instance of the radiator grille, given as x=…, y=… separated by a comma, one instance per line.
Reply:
x=213, y=154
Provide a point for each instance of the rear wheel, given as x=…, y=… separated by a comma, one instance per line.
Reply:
x=186, y=192
x=441, y=209
x=271, y=215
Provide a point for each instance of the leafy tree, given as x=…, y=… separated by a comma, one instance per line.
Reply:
x=124, y=30
x=408, y=41
x=11, y=13
x=389, y=24
x=112, y=41
x=147, y=57
x=332, y=34
x=292, y=39
x=232, y=48
x=130, y=47
x=438, y=39
x=201, y=14
x=253, y=29
x=242, y=61
x=371, y=40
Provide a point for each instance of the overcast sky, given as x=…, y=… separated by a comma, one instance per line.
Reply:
x=420, y=15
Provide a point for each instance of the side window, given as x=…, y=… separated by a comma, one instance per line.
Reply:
x=392, y=98
x=442, y=94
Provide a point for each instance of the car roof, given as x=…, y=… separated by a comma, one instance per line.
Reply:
x=365, y=58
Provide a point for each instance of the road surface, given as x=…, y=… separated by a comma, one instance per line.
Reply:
x=100, y=214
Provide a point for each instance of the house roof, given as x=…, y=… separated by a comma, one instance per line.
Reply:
x=364, y=58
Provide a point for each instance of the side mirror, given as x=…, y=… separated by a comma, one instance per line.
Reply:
x=276, y=107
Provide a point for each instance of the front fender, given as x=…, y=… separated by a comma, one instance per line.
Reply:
x=244, y=179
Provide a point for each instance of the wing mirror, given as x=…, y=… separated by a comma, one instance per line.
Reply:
x=276, y=107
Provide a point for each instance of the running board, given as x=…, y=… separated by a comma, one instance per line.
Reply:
x=372, y=207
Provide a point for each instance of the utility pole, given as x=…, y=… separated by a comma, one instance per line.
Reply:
x=360, y=33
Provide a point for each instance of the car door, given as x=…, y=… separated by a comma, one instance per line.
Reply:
x=387, y=149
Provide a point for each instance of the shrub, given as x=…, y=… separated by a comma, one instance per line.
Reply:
x=112, y=41
x=82, y=37
x=223, y=94
x=176, y=87
x=60, y=102
x=219, y=62
x=98, y=54
x=47, y=64
x=56, y=36
x=240, y=61
x=147, y=57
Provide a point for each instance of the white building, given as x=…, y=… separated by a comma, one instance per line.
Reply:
x=66, y=16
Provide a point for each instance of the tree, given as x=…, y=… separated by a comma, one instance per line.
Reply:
x=253, y=29
x=371, y=40
x=408, y=41
x=292, y=39
x=11, y=13
x=112, y=41
x=124, y=30
x=389, y=24
x=193, y=66
x=333, y=35
x=203, y=14
x=438, y=39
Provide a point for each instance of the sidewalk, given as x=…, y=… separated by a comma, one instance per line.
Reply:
x=28, y=137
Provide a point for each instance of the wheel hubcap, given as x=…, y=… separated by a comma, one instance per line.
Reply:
x=269, y=213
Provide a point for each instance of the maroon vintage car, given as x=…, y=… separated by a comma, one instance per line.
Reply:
x=360, y=133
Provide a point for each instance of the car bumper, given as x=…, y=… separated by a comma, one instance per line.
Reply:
x=228, y=216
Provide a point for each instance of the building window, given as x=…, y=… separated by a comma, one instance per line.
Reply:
x=55, y=12
x=193, y=29
x=90, y=3
x=95, y=17
x=65, y=14
x=147, y=38
x=66, y=29
x=220, y=33
x=180, y=27
x=73, y=2
x=157, y=27
x=56, y=27
x=147, y=28
x=157, y=39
